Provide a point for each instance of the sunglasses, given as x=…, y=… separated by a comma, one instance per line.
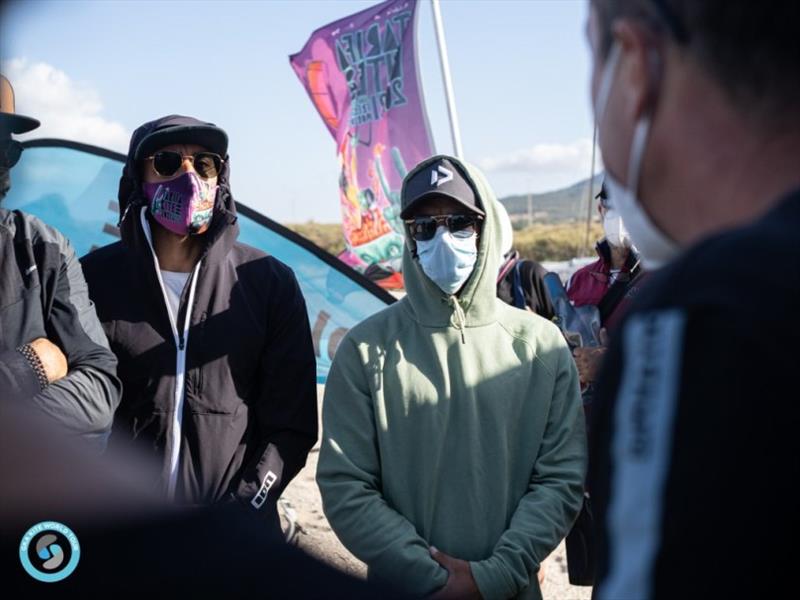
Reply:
x=423, y=229
x=10, y=151
x=167, y=162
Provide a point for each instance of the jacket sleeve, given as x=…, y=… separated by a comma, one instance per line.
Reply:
x=349, y=478
x=546, y=512
x=85, y=400
x=17, y=378
x=286, y=413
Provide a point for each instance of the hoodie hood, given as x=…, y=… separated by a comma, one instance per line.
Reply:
x=429, y=305
x=222, y=232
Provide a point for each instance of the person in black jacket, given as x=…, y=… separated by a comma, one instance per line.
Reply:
x=54, y=356
x=695, y=446
x=212, y=336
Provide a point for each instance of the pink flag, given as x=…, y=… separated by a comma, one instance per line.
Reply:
x=361, y=74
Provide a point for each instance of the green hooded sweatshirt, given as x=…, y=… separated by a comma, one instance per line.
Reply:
x=459, y=430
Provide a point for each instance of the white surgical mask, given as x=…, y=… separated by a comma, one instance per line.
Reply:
x=448, y=258
x=655, y=248
x=615, y=231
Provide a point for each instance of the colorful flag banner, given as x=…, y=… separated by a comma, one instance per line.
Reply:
x=361, y=74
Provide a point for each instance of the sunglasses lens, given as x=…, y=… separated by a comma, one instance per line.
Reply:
x=207, y=164
x=461, y=222
x=166, y=163
x=462, y=225
x=423, y=229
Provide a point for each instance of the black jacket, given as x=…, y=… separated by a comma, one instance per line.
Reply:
x=695, y=450
x=248, y=417
x=43, y=295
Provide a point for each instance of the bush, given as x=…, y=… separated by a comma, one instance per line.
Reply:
x=560, y=241
x=327, y=236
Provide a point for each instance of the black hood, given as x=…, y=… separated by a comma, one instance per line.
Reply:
x=223, y=230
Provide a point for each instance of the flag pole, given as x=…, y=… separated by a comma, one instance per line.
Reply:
x=455, y=132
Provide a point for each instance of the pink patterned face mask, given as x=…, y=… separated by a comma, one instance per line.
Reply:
x=183, y=205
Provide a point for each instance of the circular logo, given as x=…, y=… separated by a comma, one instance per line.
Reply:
x=49, y=551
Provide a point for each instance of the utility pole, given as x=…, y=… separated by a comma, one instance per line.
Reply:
x=590, y=196
x=530, y=207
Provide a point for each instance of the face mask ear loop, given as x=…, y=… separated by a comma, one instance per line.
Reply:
x=638, y=146
x=642, y=130
x=606, y=80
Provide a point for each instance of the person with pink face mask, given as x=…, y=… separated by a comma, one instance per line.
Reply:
x=212, y=336
x=694, y=448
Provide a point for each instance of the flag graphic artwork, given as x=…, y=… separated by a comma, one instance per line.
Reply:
x=361, y=74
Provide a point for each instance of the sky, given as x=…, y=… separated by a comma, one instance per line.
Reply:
x=94, y=70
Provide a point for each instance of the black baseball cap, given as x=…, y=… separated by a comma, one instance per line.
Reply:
x=177, y=129
x=438, y=177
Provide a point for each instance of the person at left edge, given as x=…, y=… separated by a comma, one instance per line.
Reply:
x=54, y=357
x=212, y=336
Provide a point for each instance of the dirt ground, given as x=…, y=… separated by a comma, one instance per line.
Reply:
x=314, y=535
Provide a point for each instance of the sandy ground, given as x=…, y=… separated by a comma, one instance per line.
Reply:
x=314, y=535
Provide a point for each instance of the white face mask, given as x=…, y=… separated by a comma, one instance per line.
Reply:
x=615, y=231
x=448, y=258
x=655, y=248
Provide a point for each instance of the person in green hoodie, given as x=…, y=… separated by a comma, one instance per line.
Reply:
x=454, y=450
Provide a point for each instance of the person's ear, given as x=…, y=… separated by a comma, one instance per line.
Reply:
x=633, y=85
x=639, y=66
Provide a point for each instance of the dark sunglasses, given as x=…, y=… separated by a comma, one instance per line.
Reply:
x=10, y=151
x=423, y=229
x=167, y=162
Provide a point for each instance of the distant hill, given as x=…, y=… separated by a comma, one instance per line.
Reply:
x=559, y=206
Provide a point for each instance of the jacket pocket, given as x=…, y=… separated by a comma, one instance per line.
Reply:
x=21, y=320
x=222, y=366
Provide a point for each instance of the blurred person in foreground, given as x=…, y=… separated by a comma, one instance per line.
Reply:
x=131, y=542
x=54, y=355
x=453, y=452
x=212, y=335
x=695, y=447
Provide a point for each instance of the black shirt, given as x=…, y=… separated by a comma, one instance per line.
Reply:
x=696, y=451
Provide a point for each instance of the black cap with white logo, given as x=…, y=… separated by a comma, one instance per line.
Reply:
x=438, y=178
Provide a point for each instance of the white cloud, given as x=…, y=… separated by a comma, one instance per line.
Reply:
x=563, y=160
x=67, y=109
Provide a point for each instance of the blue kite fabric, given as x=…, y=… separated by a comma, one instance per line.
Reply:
x=73, y=187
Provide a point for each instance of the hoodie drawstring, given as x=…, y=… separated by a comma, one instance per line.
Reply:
x=124, y=214
x=459, y=319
